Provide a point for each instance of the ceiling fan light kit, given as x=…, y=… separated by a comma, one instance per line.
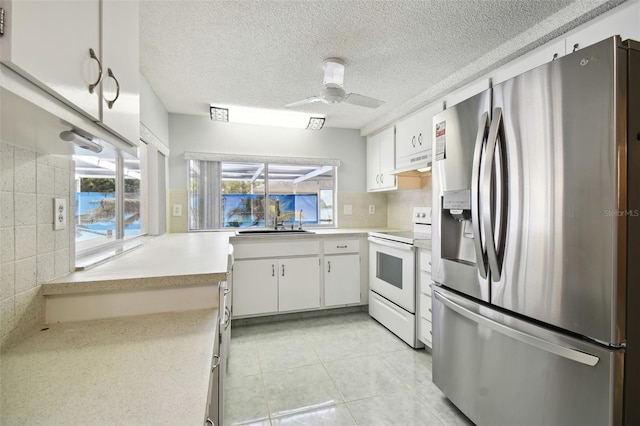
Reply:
x=265, y=117
x=333, y=89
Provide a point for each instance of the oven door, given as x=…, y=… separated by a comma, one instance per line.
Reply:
x=392, y=272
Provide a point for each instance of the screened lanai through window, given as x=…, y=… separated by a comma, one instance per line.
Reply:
x=243, y=194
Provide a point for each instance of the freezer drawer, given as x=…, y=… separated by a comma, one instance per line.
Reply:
x=500, y=370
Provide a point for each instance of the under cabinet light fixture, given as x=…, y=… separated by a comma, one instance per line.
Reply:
x=80, y=141
x=265, y=117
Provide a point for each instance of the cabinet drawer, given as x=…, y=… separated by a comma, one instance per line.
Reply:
x=341, y=246
x=425, y=332
x=425, y=282
x=425, y=306
x=425, y=260
x=273, y=248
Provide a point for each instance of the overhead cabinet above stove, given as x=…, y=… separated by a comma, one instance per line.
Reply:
x=413, y=140
x=84, y=53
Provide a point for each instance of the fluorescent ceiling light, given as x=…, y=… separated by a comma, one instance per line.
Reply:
x=425, y=169
x=265, y=117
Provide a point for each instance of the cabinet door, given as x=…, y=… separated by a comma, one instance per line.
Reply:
x=387, y=158
x=373, y=162
x=405, y=137
x=48, y=42
x=299, y=284
x=255, y=287
x=120, y=59
x=341, y=279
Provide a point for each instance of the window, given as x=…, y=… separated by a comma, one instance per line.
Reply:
x=242, y=194
x=107, y=199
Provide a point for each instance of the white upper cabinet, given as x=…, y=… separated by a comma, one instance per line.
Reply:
x=68, y=48
x=120, y=106
x=624, y=21
x=413, y=139
x=380, y=161
x=49, y=43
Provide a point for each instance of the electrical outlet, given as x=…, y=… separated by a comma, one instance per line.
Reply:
x=177, y=210
x=59, y=214
x=372, y=209
x=348, y=209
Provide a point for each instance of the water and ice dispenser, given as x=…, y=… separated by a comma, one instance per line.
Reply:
x=457, y=231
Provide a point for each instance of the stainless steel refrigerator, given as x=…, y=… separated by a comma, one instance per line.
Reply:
x=536, y=244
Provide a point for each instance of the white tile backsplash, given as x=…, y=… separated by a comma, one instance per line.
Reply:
x=7, y=248
x=6, y=209
x=31, y=251
x=24, y=169
x=7, y=280
x=46, y=179
x=25, y=273
x=24, y=209
x=44, y=205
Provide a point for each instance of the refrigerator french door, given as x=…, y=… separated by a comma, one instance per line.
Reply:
x=535, y=222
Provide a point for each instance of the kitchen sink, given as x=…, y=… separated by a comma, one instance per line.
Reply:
x=272, y=231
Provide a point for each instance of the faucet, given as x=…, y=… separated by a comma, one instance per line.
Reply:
x=300, y=220
x=277, y=214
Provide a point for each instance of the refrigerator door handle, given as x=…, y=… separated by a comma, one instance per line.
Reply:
x=481, y=257
x=563, y=351
x=490, y=216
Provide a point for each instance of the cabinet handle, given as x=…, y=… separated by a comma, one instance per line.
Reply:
x=328, y=266
x=575, y=47
x=413, y=141
x=420, y=139
x=273, y=270
x=381, y=178
x=555, y=56
x=377, y=178
x=92, y=55
x=227, y=314
x=227, y=291
x=110, y=102
x=283, y=270
x=344, y=246
x=216, y=362
x=210, y=422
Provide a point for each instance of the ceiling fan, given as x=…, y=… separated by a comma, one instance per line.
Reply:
x=333, y=90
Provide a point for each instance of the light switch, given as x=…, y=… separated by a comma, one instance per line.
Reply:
x=177, y=210
x=59, y=214
x=348, y=209
x=372, y=209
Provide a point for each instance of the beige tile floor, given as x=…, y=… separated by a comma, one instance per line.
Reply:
x=335, y=370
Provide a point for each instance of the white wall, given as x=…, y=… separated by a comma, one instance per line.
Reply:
x=153, y=114
x=199, y=134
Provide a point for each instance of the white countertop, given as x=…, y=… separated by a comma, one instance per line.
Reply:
x=171, y=260
x=151, y=369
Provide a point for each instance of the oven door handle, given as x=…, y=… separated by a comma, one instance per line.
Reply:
x=399, y=246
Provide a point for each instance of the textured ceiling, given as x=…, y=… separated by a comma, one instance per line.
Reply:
x=269, y=53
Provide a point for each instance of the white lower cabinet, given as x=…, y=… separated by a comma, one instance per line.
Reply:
x=424, y=302
x=299, y=284
x=263, y=286
x=341, y=279
x=255, y=289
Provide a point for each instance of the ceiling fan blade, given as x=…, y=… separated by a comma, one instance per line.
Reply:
x=310, y=100
x=360, y=100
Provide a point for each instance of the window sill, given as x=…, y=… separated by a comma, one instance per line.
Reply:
x=97, y=256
